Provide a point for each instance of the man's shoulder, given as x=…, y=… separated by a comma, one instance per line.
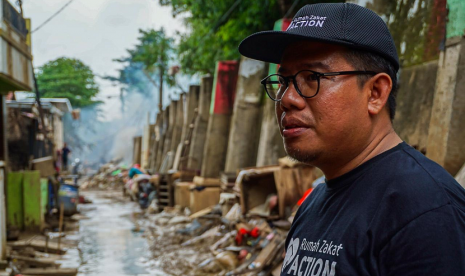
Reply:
x=418, y=176
x=414, y=185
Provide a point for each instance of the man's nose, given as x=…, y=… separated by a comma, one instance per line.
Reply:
x=291, y=99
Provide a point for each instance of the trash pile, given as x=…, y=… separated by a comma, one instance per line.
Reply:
x=207, y=242
x=242, y=233
x=232, y=225
x=109, y=176
x=39, y=255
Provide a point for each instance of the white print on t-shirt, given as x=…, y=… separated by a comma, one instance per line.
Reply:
x=307, y=21
x=300, y=265
x=326, y=247
x=291, y=252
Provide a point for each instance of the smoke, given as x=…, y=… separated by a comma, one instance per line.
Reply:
x=105, y=132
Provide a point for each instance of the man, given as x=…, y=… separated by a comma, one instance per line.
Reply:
x=65, y=151
x=384, y=208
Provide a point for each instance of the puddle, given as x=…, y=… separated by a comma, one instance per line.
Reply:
x=108, y=242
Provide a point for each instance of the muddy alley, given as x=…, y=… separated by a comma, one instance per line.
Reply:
x=111, y=241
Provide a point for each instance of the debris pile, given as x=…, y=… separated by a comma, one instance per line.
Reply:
x=242, y=233
x=39, y=256
x=232, y=225
x=209, y=243
x=109, y=176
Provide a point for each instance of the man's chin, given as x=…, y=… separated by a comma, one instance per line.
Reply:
x=301, y=156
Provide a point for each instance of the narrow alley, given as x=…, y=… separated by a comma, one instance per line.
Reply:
x=111, y=240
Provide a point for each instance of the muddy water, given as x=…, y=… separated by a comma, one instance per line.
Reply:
x=110, y=242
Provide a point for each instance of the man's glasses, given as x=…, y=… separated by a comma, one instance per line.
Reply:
x=306, y=82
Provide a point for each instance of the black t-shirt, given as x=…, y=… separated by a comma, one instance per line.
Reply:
x=397, y=214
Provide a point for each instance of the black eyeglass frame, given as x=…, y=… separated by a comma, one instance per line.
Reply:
x=317, y=75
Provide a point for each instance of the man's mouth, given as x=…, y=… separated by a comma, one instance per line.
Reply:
x=293, y=127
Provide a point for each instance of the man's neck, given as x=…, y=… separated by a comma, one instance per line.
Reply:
x=386, y=140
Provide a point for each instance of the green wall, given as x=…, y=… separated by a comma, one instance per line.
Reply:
x=32, y=203
x=456, y=24
x=14, y=200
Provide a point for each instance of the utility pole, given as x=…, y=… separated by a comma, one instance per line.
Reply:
x=160, y=88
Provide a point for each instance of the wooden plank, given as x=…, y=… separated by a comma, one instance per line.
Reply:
x=267, y=254
x=38, y=245
x=201, y=213
x=44, y=165
x=14, y=199
x=49, y=271
x=37, y=262
x=207, y=182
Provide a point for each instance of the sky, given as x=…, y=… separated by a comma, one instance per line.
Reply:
x=96, y=32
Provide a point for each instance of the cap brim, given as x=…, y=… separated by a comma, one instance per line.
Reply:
x=269, y=46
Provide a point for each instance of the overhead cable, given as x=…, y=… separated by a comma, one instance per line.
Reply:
x=53, y=15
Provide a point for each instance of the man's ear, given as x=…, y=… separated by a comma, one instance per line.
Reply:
x=379, y=89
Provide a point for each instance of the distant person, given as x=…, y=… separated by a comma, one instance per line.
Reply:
x=65, y=151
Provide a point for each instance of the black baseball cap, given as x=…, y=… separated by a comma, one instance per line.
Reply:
x=339, y=23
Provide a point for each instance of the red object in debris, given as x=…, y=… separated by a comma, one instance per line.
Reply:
x=304, y=197
x=255, y=232
x=243, y=231
x=239, y=238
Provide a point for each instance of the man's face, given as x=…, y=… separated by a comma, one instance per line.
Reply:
x=334, y=125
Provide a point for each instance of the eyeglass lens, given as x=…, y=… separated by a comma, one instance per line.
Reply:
x=307, y=84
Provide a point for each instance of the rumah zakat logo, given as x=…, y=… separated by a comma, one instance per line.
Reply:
x=291, y=252
x=307, y=21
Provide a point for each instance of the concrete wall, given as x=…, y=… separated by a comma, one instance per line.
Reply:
x=456, y=144
x=245, y=133
x=415, y=102
x=178, y=123
x=164, y=121
x=223, y=96
x=199, y=135
x=270, y=147
x=447, y=128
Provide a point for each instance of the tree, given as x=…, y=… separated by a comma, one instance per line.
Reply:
x=68, y=78
x=149, y=59
x=216, y=27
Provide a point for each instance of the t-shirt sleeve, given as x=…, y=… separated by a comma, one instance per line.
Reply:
x=432, y=244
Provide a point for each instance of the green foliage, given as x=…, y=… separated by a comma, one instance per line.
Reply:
x=67, y=78
x=216, y=27
x=152, y=55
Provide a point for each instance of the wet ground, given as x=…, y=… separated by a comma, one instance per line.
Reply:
x=110, y=240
